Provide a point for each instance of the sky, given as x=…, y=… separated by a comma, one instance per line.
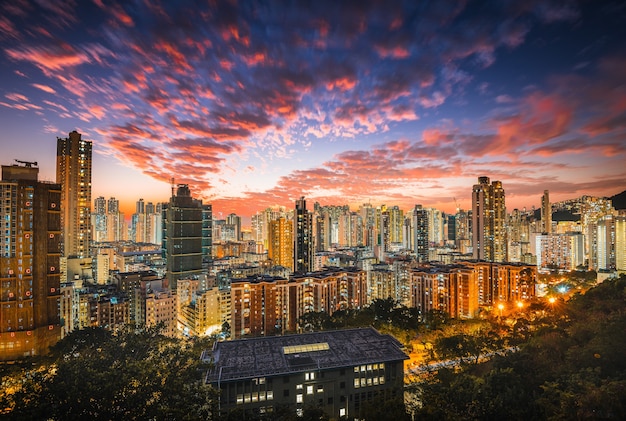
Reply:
x=257, y=103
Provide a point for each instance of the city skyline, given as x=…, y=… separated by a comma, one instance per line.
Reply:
x=258, y=105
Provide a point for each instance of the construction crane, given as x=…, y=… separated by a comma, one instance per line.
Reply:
x=28, y=164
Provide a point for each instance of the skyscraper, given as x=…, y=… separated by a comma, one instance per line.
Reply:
x=99, y=220
x=420, y=233
x=488, y=221
x=280, y=249
x=74, y=176
x=546, y=213
x=29, y=263
x=303, y=242
x=182, y=236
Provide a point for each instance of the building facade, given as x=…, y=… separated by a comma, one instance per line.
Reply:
x=303, y=252
x=74, y=175
x=337, y=371
x=182, y=236
x=489, y=240
x=30, y=253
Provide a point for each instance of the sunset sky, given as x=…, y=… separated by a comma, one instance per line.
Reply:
x=255, y=104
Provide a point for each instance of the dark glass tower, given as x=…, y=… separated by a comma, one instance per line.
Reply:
x=182, y=236
x=303, y=242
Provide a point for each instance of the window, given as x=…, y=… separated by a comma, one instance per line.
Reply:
x=309, y=390
x=298, y=387
x=357, y=383
x=299, y=398
x=342, y=412
x=286, y=392
x=309, y=376
x=320, y=388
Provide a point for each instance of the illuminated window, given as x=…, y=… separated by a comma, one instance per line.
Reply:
x=357, y=383
x=299, y=398
x=309, y=390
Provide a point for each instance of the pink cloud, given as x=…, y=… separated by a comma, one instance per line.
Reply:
x=44, y=88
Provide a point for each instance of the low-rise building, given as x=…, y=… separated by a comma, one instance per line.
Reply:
x=337, y=371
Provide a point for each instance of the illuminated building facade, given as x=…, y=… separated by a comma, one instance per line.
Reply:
x=560, y=251
x=267, y=305
x=30, y=288
x=489, y=240
x=74, y=175
x=461, y=289
x=280, y=244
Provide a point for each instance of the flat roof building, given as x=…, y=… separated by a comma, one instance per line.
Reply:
x=336, y=371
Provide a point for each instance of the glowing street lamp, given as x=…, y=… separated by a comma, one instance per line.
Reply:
x=520, y=305
x=500, y=307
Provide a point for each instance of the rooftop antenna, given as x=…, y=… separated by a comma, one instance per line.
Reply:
x=28, y=164
x=173, y=185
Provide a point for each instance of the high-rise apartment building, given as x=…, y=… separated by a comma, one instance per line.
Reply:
x=420, y=233
x=611, y=243
x=546, y=213
x=280, y=247
x=74, y=176
x=99, y=220
x=303, y=241
x=182, y=236
x=560, y=251
x=488, y=221
x=30, y=239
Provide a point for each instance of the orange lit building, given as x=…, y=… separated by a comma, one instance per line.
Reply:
x=265, y=305
x=29, y=263
x=280, y=244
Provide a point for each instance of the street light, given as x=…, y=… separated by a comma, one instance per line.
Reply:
x=500, y=307
x=520, y=305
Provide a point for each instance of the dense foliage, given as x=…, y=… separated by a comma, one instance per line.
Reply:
x=571, y=365
x=93, y=374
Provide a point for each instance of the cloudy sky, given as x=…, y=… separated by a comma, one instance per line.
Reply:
x=256, y=103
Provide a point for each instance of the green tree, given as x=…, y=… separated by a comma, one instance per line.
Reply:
x=134, y=374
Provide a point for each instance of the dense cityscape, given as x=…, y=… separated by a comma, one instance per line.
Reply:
x=68, y=266
x=297, y=211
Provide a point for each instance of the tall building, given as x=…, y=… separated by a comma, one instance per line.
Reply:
x=546, y=213
x=560, y=251
x=29, y=263
x=235, y=222
x=116, y=226
x=303, y=241
x=74, y=176
x=280, y=247
x=420, y=233
x=182, y=236
x=99, y=220
x=207, y=234
x=488, y=221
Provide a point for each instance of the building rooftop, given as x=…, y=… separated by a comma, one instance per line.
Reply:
x=277, y=355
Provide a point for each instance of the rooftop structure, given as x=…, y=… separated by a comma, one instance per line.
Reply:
x=278, y=355
x=338, y=372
